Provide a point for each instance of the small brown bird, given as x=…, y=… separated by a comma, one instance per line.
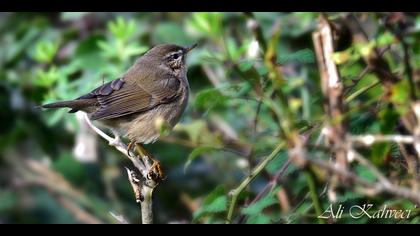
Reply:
x=153, y=91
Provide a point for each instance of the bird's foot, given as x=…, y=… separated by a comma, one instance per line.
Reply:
x=156, y=171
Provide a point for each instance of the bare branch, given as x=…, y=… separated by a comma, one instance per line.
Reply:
x=142, y=190
x=332, y=89
x=79, y=213
x=416, y=131
x=31, y=172
x=135, y=184
x=363, y=186
x=369, y=139
x=120, y=218
x=383, y=180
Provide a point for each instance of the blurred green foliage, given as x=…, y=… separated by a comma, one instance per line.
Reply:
x=226, y=130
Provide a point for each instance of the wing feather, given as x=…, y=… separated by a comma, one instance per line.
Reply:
x=119, y=98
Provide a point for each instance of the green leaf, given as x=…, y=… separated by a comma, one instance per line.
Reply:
x=46, y=78
x=387, y=120
x=231, y=48
x=200, y=22
x=364, y=173
x=302, y=56
x=209, y=98
x=207, y=24
x=259, y=219
x=234, y=51
x=246, y=65
x=17, y=46
x=122, y=29
x=244, y=88
x=197, y=152
x=134, y=49
x=104, y=46
x=218, y=205
x=251, y=74
x=7, y=200
x=341, y=57
x=400, y=92
x=278, y=162
x=45, y=51
x=385, y=39
x=215, y=202
x=257, y=208
x=400, y=96
x=170, y=32
x=379, y=152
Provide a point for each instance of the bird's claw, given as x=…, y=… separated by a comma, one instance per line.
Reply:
x=156, y=172
x=129, y=147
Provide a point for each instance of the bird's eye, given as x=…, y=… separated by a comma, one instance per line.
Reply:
x=175, y=56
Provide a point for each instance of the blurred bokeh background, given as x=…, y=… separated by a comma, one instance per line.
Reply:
x=53, y=169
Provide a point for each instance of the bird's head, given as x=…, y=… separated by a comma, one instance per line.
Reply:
x=170, y=55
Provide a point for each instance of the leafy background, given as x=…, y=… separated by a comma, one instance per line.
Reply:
x=54, y=170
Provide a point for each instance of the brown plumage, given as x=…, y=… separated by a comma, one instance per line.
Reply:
x=152, y=92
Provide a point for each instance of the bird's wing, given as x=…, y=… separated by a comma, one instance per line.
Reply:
x=119, y=98
x=105, y=89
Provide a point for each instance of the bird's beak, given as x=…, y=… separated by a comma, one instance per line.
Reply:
x=189, y=48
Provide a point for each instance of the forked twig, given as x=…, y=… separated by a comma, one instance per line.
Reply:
x=143, y=189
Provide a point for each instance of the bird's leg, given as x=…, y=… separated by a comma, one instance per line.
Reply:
x=155, y=171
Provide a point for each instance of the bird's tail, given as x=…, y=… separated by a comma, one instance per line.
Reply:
x=75, y=105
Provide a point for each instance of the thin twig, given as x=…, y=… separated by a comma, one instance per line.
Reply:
x=33, y=172
x=369, y=139
x=120, y=218
x=237, y=191
x=257, y=112
x=367, y=187
x=362, y=74
x=408, y=69
x=79, y=213
x=416, y=132
x=270, y=185
x=314, y=195
x=383, y=180
x=211, y=75
x=272, y=182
